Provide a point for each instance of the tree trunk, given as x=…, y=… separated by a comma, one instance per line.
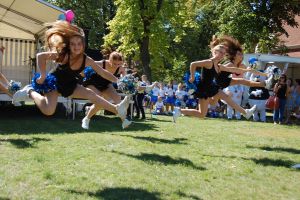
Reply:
x=145, y=57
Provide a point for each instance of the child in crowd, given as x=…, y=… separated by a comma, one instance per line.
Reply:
x=154, y=96
x=169, y=98
x=162, y=90
x=159, y=106
x=180, y=96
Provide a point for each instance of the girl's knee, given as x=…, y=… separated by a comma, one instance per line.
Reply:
x=49, y=111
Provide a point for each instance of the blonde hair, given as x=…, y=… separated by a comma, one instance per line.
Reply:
x=58, y=37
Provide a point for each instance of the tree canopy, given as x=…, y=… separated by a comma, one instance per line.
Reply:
x=163, y=37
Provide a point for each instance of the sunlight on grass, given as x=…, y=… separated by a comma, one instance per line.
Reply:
x=153, y=159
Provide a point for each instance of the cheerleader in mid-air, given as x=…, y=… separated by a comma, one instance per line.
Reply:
x=235, y=57
x=207, y=87
x=66, y=43
x=103, y=87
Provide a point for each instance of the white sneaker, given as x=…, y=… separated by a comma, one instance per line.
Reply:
x=126, y=123
x=23, y=94
x=249, y=112
x=85, y=123
x=269, y=82
x=176, y=114
x=122, y=108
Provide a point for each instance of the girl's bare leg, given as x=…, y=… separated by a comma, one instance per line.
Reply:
x=109, y=93
x=86, y=93
x=246, y=112
x=47, y=103
x=200, y=113
x=120, y=109
x=4, y=88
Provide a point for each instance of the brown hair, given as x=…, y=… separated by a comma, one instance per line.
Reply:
x=232, y=45
x=58, y=37
x=116, y=56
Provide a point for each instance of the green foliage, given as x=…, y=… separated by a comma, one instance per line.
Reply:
x=92, y=15
x=165, y=36
x=256, y=22
x=163, y=22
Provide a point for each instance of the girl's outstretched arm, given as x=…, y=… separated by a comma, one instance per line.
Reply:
x=99, y=70
x=41, y=59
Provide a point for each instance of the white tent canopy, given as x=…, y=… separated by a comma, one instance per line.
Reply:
x=24, y=19
x=22, y=26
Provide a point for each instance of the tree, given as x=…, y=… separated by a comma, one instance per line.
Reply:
x=146, y=29
x=91, y=15
x=256, y=21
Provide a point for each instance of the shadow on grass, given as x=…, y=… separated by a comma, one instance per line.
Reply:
x=161, y=120
x=277, y=149
x=36, y=123
x=183, y=195
x=159, y=140
x=119, y=193
x=262, y=161
x=4, y=198
x=166, y=160
x=273, y=162
x=24, y=143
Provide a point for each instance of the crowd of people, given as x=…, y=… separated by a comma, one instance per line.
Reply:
x=225, y=82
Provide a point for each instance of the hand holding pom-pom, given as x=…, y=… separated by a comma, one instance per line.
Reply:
x=127, y=84
x=40, y=80
x=43, y=85
x=192, y=78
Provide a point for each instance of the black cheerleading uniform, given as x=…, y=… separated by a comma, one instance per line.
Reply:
x=206, y=87
x=223, y=79
x=98, y=81
x=66, y=78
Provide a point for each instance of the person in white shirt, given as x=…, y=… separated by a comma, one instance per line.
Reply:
x=175, y=85
x=154, y=96
x=142, y=89
x=180, y=94
x=162, y=90
x=236, y=93
x=258, y=97
x=169, y=98
x=159, y=106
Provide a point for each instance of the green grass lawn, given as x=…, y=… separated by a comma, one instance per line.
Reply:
x=53, y=158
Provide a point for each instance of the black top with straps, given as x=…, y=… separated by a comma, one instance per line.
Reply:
x=223, y=79
x=206, y=87
x=66, y=78
x=98, y=81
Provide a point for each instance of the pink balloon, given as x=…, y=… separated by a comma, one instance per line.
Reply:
x=69, y=15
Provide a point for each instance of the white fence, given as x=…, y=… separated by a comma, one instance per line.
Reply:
x=16, y=63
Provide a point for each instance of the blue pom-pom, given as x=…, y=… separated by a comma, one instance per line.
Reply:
x=14, y=86
x=191, y=87
x=127, y=84
x=252, y=60
x=88, y=72
x=48, y=85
